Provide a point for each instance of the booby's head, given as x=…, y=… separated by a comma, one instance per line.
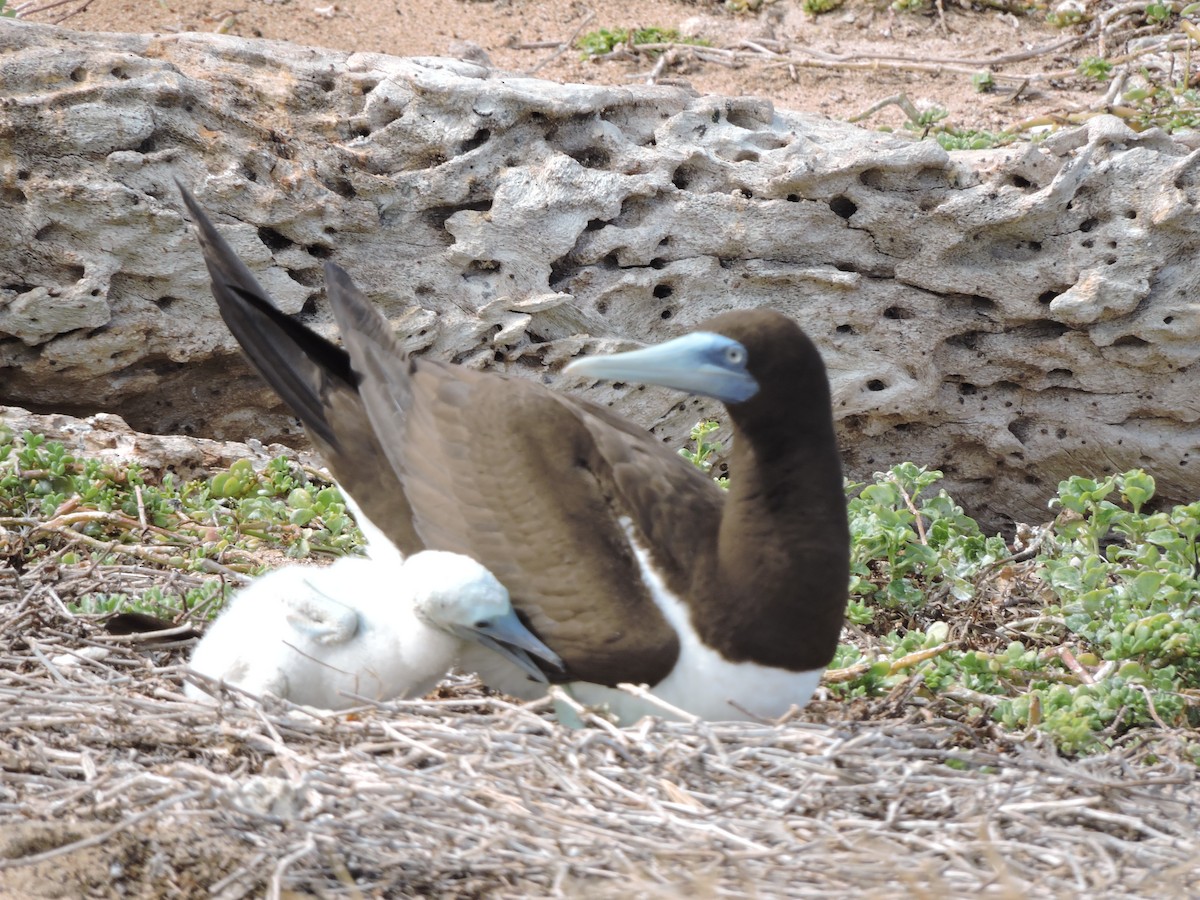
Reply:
x=740, y=357
x=456, y=594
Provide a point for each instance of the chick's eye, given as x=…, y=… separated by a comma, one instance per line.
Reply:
x=735, y=356
x=482, y=625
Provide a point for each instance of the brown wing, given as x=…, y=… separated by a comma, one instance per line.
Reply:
x=314, y=378
x=506, y=472
x=675, y=508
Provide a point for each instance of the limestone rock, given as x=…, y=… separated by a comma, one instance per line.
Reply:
x=1010, y=316
x=109, y=438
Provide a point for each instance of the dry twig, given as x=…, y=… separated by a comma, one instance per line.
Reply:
x=466, y=793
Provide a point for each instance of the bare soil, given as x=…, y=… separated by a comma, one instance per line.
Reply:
x=838, y=64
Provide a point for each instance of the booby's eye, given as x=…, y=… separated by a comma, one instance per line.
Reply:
x=735, y=356
x=482, y=625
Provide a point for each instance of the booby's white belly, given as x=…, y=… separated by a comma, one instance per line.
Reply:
x=703, y=682
x=714, y=690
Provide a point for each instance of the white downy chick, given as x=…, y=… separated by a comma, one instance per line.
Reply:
x=367, y=628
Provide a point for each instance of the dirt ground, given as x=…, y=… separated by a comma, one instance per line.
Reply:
x=839, y=64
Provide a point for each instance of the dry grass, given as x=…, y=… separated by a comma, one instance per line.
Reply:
x=115, y=785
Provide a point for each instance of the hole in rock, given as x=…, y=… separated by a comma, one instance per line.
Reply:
x=873, y=178
x=843, y=207
x=1047, y=297
x=342, y=187
x=477, y=140
x=741, y=119
x=436, y=216
x=592, y=157
x=273, y=239
x=310, y=277
x=1020, y=428
x=1045, y=329
x=968, y=340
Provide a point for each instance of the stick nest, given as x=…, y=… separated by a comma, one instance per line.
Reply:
x=114, y=784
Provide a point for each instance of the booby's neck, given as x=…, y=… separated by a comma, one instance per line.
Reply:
x=781, y=561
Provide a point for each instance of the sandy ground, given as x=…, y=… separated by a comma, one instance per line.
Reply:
x=838, y=64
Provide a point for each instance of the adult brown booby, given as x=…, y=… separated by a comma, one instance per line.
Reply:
x=627, y=561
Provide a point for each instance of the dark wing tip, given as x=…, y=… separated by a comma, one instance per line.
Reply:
x=208, y=232
x=292, y=358
x=225, y=267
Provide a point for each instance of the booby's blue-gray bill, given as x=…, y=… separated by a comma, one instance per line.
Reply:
x=625, y=560
x=700, y=363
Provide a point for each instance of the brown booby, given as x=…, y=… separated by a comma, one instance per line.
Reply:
x=626, y=560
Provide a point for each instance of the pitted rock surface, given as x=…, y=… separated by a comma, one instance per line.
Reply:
x=1011, y=316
